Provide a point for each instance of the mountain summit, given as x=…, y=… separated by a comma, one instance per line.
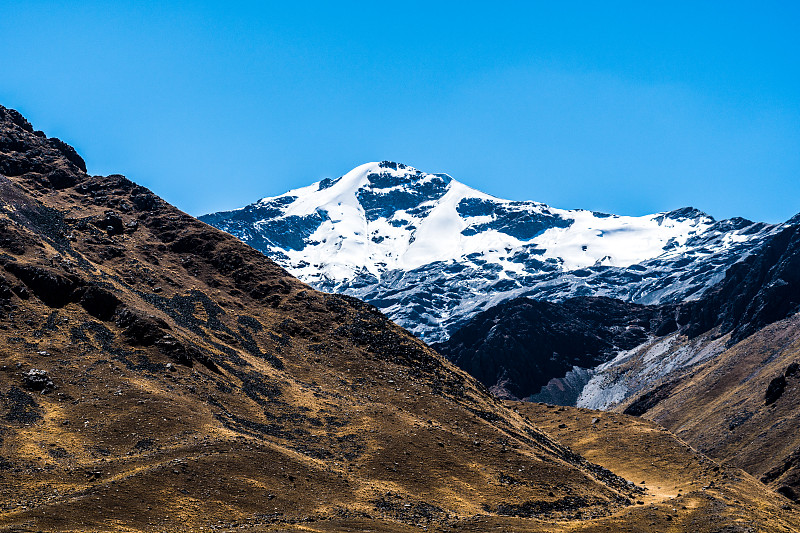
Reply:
x=431, y=252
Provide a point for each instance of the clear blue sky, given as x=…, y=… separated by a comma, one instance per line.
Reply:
x=625, y=107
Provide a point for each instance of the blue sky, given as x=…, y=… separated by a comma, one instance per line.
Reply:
x=625, y=107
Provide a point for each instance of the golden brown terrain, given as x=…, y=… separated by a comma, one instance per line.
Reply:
x=157, y=374
x=679, y=481
x=722, y=407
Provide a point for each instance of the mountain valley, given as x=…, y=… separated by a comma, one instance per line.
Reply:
x=159, y=375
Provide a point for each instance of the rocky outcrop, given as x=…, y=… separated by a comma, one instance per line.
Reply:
x=25, y=151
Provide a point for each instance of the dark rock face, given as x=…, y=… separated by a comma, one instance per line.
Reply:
x=111, y=223
x=288, y=234
x=788, y=470
x=99, y=302
x=789, y=493
x=20, y=406
x=761, y=289
x=512, y=219
x=37, y=380
x=523, y=343
x=381, y=203
x=647, y=400
x=68, y=152
x=565, y=390
x=141, y=330
x=775, y=390
x=51, y=287
x=57, y=289
x=57, y=162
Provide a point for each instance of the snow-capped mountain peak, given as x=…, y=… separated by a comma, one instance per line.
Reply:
x=431, y=251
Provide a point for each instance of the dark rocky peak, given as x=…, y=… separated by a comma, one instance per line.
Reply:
x=736, y=223
x=392, y=165
x=46, y=163
x=686, y=213
x=326, y=183
x=15, y=117
x=399, y=187
x=392, y=174
x=68, y=152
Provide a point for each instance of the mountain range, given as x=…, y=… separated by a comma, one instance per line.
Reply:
x=431, y=252
x=157, y=374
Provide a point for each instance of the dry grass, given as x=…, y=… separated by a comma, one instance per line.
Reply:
x=720, y=407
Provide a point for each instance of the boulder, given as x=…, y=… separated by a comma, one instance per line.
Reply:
x=37, y=380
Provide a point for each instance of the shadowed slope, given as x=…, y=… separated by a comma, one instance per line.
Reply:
x=518, y=346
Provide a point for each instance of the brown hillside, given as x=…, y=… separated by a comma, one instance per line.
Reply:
x=741, y=406
x=683, y=486
x=158, y=375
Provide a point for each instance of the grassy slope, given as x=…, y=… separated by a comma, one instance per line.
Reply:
x=720, y=407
